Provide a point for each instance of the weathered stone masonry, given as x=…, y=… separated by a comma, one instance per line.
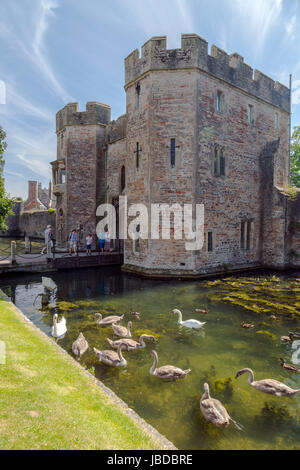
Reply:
x=214, y=108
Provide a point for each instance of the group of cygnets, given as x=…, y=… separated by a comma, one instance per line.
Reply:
x=212, y=409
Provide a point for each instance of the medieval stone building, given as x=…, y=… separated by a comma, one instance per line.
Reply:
x=199, y=128
x=39, y=198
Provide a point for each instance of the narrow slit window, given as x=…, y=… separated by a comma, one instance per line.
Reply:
x=222, y=163
x=137, y=240
x=210, y=241
x=137, y=157
x=216, y=162
x=123, y=178
x=276, y=120
x=219, y=101
x=250, y=114
x=172, y=152
x=138, y=96
x=243, y=223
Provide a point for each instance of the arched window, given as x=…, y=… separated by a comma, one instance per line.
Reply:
x=123, y=178
x=219, y=161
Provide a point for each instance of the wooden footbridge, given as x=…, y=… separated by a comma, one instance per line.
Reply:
x=37, y=262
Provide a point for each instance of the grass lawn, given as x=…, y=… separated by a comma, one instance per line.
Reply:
x=47, y=402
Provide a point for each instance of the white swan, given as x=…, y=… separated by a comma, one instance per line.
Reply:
x=188, y=323
x=58, y=328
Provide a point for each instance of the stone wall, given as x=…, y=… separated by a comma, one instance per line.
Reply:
x=293, y=230
x=33, y=224
x=13, y=222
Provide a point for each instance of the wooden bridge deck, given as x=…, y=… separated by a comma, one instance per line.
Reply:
x=39, y=263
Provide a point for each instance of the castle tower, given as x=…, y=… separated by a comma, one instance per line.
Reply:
x=197, y=127
x=161, y=126
x=78, y=172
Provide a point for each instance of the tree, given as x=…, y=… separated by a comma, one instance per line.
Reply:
x=295, y=157
x=6, y=203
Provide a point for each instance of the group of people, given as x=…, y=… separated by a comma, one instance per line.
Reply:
x=73, y=240
x=103, y=240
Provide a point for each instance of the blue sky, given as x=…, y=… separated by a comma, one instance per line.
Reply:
x=56, y=51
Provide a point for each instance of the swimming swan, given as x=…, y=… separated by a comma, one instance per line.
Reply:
x=131, y=343
x=111, y=358
x=120, y=330
x=80, y=346
x=58, y=328
x=214, y=412
x=107, y=320
x=167, y=372
x=188, y=323
x=268, y=385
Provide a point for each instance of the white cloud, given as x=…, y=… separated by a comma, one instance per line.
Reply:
x=17, y=104
x=28, y=38
x=290, y=27
x=259, y=17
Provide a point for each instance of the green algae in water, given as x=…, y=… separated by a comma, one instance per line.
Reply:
x=65, y=306
x=214, y=353
x=266, y=333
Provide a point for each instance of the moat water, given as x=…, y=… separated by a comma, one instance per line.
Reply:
x=214, y=353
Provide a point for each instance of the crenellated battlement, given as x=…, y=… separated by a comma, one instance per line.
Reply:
x=194, y=54
x=96, y=113
x=116, y=130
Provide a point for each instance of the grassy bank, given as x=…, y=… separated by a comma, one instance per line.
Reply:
x=47, y=402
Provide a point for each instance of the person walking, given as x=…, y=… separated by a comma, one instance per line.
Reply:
x=89, y=241
x=47, y=238
x=73, y=242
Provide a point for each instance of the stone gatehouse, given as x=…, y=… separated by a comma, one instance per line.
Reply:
x=199, y=128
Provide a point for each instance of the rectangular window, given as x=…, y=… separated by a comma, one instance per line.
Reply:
x=63, y=176
x=209, y=241
x=250, y=114
x=172, y=152
x=138, y=96
x=276, y=120
x=219, y=162
x=222, y=163
x=137, y=159
x=219, y=101
x=216, y=162
x=137, y=240
x=246, y=234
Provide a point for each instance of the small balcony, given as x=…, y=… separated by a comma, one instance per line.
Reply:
x=59, y=189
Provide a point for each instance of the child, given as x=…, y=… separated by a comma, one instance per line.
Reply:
x=89, y=241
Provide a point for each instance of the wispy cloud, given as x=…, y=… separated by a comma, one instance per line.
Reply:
x=18, y=104
x=39, y=57
x=290, y=27
x=30, y=42
x=259, y=17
